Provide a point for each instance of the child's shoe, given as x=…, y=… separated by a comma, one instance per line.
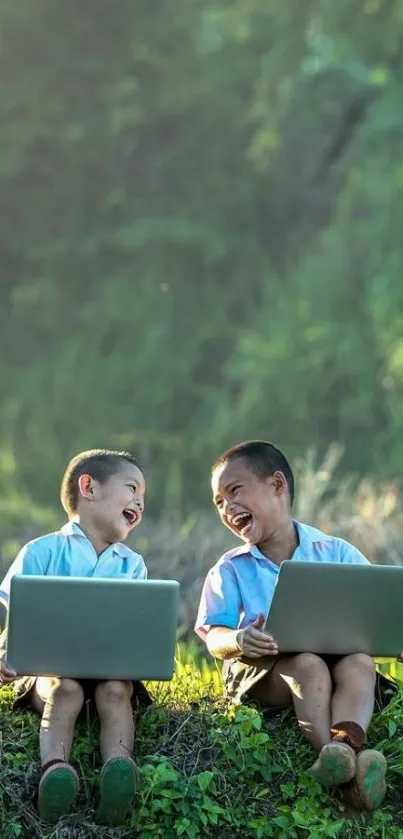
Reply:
x=57, y=791
x=117, y=787
x=368, y=788
x=335, y=765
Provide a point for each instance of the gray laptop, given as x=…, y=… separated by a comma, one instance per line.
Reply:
x=92, y=628
x=334, y=608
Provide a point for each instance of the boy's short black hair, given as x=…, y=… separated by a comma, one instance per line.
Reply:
x=263, y=459
x=99, y=463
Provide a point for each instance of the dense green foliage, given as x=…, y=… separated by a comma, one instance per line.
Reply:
x=201, y=236
x=206, y=771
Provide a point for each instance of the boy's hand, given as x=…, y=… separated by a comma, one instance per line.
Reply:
x=400, y=657
x=253, y=642
x=7, y=675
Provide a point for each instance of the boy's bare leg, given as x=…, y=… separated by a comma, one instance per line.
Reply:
x=118, y=778
x=353, y=703
x=353, y=698
x=59, y=701
x=115, y=711
x=336, y=725
x=303, y=680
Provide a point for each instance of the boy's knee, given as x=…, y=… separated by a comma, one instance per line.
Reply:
x=68, y=690
x=359, y=664
x=113, y=692
x=310, y=666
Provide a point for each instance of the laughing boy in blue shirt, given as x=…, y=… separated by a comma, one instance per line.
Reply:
x=103, y=494
x=333, y=697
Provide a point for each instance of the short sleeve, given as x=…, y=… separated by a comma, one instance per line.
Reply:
x=28, y=561
x=352, y=556
x=140, y=571
x=220, y=602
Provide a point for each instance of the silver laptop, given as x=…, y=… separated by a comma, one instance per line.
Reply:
x=92, y=628
x=334, y=608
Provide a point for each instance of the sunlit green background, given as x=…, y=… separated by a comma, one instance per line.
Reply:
x=201, y=240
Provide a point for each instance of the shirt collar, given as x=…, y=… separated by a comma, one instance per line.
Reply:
x=307, y=536
x=72, y=528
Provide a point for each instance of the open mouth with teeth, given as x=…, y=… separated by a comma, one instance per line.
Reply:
x=131, y=516
x=242, y=523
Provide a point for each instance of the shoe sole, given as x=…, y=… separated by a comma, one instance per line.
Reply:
x=335, y=765
x=57, y=793
x=369, y=781
x=117, y=785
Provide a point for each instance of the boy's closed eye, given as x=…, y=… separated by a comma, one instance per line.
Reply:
x=231, y=490
x=136, y=489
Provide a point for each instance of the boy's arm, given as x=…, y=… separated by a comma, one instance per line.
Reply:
x=218, y=616
x=218, y=613
x=7, y=675
x=351, y=555
x=140, y=571
x=222, y=642
x=250, y=642
x=27, y=562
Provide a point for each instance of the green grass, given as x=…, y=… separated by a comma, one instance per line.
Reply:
x=206, y=771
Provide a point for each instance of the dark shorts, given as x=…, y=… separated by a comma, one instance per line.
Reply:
x=241, y=675
x=24, y=687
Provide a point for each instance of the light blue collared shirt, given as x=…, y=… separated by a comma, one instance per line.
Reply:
x=68, y=553
x=240, y=586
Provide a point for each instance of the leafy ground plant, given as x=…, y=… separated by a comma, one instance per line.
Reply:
x=207, y=770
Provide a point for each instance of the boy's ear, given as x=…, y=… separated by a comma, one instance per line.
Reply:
x=280, y=482
x=86, y=487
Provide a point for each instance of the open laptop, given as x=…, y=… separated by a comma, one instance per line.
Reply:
x=92, y=628
x=338, y=609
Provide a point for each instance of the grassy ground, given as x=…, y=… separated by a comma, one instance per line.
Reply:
x=206, y=771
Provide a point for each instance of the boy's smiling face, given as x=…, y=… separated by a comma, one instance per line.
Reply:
x=117, y=504
x=250, y=506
